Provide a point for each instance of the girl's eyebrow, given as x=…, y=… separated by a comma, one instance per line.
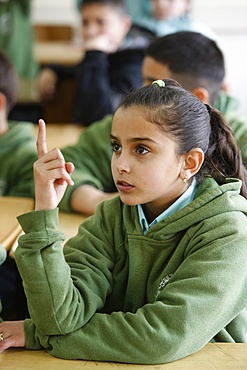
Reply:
x=135, y=139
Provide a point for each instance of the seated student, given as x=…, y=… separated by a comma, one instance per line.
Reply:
x=160, y=270
x=192, y=59
x=17, y=155
x=17, y=141
x=112, y=63
x=163, y=17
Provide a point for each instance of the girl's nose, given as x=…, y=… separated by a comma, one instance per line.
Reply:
x=122, y=163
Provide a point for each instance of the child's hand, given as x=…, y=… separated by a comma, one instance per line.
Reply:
x=46, y=84
x=51, y=173
x=12, y=334
x=102, y=43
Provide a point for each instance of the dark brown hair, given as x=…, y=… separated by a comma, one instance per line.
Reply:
x=119, y=5
x=193, y=60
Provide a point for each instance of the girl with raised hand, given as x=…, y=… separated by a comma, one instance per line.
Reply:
x=158, y=271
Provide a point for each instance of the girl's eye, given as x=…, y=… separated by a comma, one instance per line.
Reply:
x=142, y=150
x=115, y=147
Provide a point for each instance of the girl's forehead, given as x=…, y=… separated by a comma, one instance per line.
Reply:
x=128, y=115
x=133, y=121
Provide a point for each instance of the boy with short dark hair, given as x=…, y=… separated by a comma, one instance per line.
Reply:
x=111, y=67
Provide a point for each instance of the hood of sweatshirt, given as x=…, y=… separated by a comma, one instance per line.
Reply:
x=210, y=200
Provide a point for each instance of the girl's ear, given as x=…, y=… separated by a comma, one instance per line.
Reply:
x=193, y=161
x=202, y=94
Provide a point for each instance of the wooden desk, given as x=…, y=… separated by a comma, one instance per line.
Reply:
x=10, y=207
x=220, y=356
x=57, y=52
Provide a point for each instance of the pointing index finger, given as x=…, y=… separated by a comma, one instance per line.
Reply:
x=41, y=139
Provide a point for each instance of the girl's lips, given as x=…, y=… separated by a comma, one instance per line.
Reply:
x=124, y=186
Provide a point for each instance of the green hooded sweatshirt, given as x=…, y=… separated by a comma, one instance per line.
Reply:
x=114, y=294
x=17, y=155
x=92, y=153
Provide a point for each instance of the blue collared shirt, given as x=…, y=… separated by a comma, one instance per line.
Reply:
x=181, y=202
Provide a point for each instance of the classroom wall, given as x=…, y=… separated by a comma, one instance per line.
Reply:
x=55, y=12
x=227, y=19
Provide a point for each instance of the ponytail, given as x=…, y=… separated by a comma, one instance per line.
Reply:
x=223, y=158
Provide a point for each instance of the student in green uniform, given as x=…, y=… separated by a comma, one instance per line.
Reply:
x=16, y=35
x=17, y=155
x=190, y=58
x=160, y=270
x=17, y=140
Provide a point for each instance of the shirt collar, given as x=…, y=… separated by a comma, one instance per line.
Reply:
x=181, y=202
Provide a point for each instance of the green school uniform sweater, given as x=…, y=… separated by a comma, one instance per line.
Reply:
x=114, y=294
x=92, y=153
x=17, y=155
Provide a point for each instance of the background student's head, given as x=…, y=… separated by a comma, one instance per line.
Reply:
x=105, y=17
x=190, y=58
x=167, y=9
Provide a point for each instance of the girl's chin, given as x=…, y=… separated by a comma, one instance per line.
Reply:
x=128, y=201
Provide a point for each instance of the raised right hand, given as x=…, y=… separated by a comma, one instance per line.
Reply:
x=51, y=173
